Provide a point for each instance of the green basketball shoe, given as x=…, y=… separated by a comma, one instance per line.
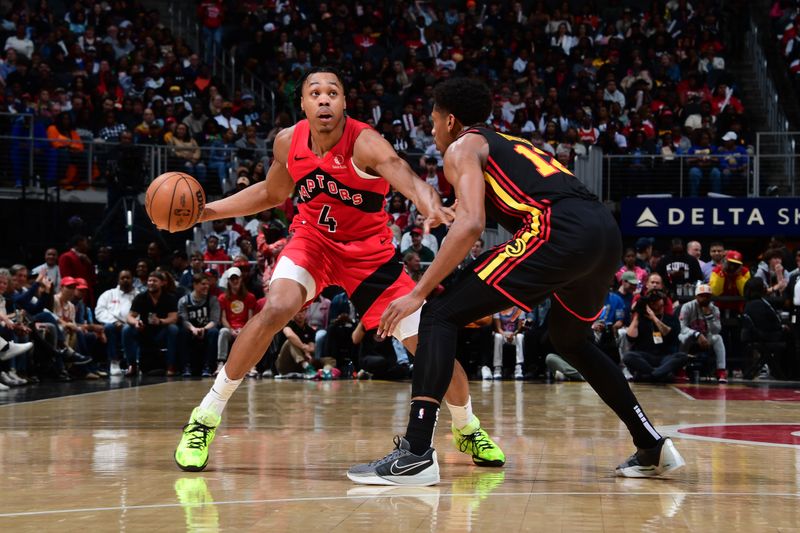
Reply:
x=474, y=441
x=191, y=455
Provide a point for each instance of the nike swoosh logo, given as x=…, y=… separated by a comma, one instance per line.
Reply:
x=401, y=470
x=299, y=158
x=383, y=241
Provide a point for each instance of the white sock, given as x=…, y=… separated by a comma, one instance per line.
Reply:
x=461, y=414
x=220, y=392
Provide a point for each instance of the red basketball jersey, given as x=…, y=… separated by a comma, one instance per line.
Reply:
x=341, y=201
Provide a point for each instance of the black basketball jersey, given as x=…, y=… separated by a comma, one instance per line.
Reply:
x=522, y=182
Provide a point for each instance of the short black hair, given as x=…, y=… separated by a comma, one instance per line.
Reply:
x=466, y=99
x=316, y=70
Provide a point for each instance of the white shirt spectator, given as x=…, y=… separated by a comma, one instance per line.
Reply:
x=616, y=96
x=232, y=123
x=114, y=305
x=52, y=272
x=22, y=46
x=427, y=240
x=509, y=110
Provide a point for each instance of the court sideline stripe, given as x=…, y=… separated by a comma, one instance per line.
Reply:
x=87, y=393
x=382, y=496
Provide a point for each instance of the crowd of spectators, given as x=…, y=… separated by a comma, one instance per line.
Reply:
x=669, y=316
x=785, y=17
x=634, y=79
x=668, y=310
x=633, y=82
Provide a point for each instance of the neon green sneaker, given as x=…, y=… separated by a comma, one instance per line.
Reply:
x=191, y=455
x=474, y=441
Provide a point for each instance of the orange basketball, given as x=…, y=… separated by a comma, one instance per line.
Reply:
x=174, y=201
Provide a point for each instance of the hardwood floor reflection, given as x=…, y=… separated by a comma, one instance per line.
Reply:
x=104, y=461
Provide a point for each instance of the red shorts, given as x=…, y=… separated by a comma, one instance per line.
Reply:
x=369, y=270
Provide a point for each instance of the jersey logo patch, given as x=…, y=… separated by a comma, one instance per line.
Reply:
x=516, y=248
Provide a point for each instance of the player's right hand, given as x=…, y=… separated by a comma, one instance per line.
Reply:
x=443, y=215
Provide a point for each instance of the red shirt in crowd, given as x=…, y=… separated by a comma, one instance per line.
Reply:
x=75, y=265
x=218, y=255
x=236, y=310
x=211, y=14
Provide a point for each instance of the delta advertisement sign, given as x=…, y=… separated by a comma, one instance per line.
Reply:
x=711, y=216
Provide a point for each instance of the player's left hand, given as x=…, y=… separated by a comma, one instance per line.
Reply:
x=397, y=311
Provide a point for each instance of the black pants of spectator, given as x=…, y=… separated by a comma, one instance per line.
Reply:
x=651, y=367
x=474, y=348
x=382, y=367
x=194, y=353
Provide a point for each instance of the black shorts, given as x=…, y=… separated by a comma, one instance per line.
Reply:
x=572, y=256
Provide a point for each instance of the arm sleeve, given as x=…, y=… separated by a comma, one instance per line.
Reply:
x=183, y=313
x=214, y=311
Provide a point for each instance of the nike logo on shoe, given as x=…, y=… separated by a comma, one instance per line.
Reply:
x=396, y=470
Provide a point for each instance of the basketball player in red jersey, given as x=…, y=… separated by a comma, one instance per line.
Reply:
x=565, y=245
x=340, y=237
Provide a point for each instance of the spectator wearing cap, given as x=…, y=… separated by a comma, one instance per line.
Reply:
x=399, y=139
x=242, y=182
x=428, y=239
x=64, y=310
x=76, y=263
x=733, y=162
x=249, y=113
x=629, y=291
x=653, y=339
x=729, y=280
x=214, y=253
x=426, y=255
x=112, y=311
x=153, y=319
x=629, y=265
x=200, y=317
x=226, y=120
x=238, y=306
x=701, y=327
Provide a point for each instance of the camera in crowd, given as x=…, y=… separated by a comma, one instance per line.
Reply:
x=645, y=300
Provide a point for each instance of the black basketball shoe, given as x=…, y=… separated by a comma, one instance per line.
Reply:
x=400, y=467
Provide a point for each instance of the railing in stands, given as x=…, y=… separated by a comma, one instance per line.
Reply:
x=183, y=21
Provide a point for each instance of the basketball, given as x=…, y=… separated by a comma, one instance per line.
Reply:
x=174, y=201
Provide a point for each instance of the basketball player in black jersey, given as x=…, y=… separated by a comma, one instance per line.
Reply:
x=566, y=245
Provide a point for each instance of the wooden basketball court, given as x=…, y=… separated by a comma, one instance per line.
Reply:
x=103, y=461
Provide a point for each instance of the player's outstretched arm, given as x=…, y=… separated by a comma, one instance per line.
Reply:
x=375, y=155
x=269, y=193
x=463, y=167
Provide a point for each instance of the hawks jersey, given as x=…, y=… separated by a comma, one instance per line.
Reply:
x=337, y=198
x=522, y=182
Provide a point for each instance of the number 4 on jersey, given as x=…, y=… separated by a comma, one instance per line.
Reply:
x=325, y=220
